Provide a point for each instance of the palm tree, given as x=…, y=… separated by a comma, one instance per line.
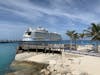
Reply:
x=81, y=36
x=75, y=37
x=94, y=33
x=70, y=34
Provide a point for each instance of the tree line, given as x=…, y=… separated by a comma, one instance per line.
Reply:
x=92, y=32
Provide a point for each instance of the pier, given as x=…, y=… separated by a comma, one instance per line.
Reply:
x=50, y=48
x=9, y=41
x=43, y=46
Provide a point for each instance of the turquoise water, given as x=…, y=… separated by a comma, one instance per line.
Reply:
x=7, y=55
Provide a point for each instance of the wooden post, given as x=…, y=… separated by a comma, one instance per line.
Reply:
x=49, y=48
x=60, y=49
x=37, y=49
x=45, y=50
x=53, y=50
x=28, y=47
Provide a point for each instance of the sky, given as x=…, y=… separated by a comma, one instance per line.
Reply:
x=55, y=15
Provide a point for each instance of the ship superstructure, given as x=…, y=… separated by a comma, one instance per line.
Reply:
x=40, y=34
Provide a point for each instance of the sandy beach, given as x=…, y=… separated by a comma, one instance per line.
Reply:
x=67, y=63
x=76, y=63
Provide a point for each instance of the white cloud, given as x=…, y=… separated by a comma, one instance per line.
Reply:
x=10, y=30
x=68, y=9
x=33, y=12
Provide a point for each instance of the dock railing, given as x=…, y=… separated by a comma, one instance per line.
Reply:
x=84, y=45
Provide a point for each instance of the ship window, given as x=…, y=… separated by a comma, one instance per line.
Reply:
x=29, y=33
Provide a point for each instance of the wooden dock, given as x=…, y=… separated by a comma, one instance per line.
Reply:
x=50, y=48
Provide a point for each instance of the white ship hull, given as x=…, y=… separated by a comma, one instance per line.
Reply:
x=40, y=34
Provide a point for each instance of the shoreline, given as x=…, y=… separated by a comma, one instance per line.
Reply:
x=66, y=63
x=25, y=68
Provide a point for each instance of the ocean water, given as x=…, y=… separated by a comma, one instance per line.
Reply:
x=7, y=55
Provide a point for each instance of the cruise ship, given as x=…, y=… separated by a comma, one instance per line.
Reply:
x=40, y=34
